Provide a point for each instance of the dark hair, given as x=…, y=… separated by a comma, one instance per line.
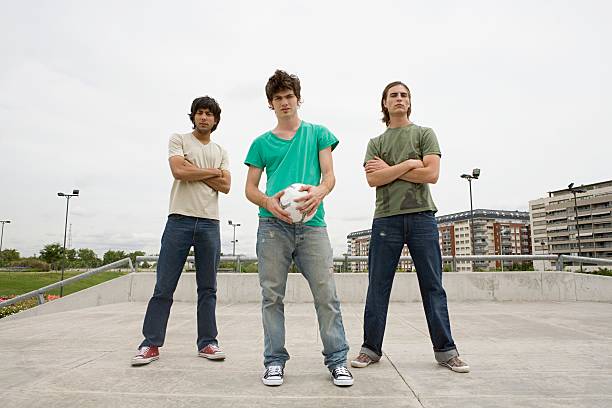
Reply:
x=281, y=81
x=205, y=102
x=385, y=111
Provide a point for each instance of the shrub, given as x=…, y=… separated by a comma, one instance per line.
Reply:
x=31, y=263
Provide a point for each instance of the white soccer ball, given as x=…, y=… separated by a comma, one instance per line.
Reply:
x=288, y=204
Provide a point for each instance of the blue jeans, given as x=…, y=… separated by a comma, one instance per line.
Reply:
x=389, y=234
x=181, y=233
x=278, y=243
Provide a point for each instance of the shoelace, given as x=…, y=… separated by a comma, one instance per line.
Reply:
x=144, y=350
x=274, y=371
x=214, y=348
x=342, y=371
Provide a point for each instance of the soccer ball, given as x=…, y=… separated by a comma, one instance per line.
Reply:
x=288, y=204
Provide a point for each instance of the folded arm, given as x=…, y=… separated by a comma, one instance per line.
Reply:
x=183, y=170
x=379, y=173
x=429, y=173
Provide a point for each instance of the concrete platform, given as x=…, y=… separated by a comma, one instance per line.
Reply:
x=538, y=354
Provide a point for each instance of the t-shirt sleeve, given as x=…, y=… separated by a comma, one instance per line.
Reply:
x=254, y=157
x=175, y=146
x=325, y=139
x=224, y=160
x=371, y=151
x=429, y=143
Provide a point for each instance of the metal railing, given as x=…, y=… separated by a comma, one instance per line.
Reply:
x=560, y=260
x=39, y=293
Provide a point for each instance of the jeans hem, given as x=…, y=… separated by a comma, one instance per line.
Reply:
x=444, y=356
x=370, y=353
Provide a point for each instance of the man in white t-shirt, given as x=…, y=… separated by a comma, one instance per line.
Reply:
x=201, y=169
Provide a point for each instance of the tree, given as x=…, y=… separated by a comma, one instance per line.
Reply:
x=111, y=256
x=88, y=258
x=52, y=254
x=9, y=255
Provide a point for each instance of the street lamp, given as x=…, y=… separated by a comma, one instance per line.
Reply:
x=574, y=191
x=75, y=193
x=2, y=236
x=234, y=240
x=469, y=177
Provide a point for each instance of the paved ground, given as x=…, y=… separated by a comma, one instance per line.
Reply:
x=522, y=355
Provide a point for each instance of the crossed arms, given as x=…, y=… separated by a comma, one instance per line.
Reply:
x=379, y=173
x=217, y=179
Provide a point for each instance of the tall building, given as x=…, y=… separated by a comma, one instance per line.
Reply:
x=496, y=232
x=557, y=230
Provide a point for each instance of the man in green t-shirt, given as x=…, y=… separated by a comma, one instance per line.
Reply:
x=401, y=163
x=294, y=152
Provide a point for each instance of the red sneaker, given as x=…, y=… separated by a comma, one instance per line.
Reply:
x=145, y=355
x=212, y=352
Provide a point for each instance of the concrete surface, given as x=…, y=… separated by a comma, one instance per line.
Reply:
x=244, y=288
x=537, y=354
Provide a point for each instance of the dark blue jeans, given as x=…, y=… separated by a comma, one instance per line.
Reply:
x=181, y=233
x=389, y=234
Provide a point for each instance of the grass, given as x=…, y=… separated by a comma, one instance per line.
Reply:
x=17, y=283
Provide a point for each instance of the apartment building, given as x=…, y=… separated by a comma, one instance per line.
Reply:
x=496, y=232
x=557, y=230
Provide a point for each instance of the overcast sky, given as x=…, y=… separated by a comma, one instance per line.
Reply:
x=91, y=91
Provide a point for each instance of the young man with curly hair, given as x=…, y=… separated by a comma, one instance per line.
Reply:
x=294, y=152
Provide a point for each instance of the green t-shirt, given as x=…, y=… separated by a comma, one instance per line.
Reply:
x=395, y=146
x=292, y=161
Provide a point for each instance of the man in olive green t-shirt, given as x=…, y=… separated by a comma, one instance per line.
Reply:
x=401, y=163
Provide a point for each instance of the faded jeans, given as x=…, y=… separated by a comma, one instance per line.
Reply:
x=279, y=243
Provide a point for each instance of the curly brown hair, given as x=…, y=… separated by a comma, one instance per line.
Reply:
x=281, y=81
x=385, y=111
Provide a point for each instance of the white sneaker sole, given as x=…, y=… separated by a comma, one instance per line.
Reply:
x=217, y=356
x=465, y=369
x=143, y=361
x=343, y=383
x=272, y=382
x=359, y=364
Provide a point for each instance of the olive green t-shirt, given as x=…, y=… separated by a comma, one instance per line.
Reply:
x=395, y=146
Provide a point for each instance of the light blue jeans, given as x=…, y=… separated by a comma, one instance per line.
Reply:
x=278, y=243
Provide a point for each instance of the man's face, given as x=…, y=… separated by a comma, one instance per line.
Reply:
x=204, y=120
x=284, y=103
x=397, y=101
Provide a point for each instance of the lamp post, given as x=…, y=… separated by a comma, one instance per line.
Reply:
x=2, y=236
x=574, y=191
x=469, y=177
x=234, y=242
x=75, y=193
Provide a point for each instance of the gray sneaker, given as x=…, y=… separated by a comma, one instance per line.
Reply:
x=456, y=365
x=362, y=360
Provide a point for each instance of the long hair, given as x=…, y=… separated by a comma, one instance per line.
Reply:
x=385, y=111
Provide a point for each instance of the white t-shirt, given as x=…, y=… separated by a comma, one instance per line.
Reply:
x=196, y=198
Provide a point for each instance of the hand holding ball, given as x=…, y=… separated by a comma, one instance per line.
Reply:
x=288, y=204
